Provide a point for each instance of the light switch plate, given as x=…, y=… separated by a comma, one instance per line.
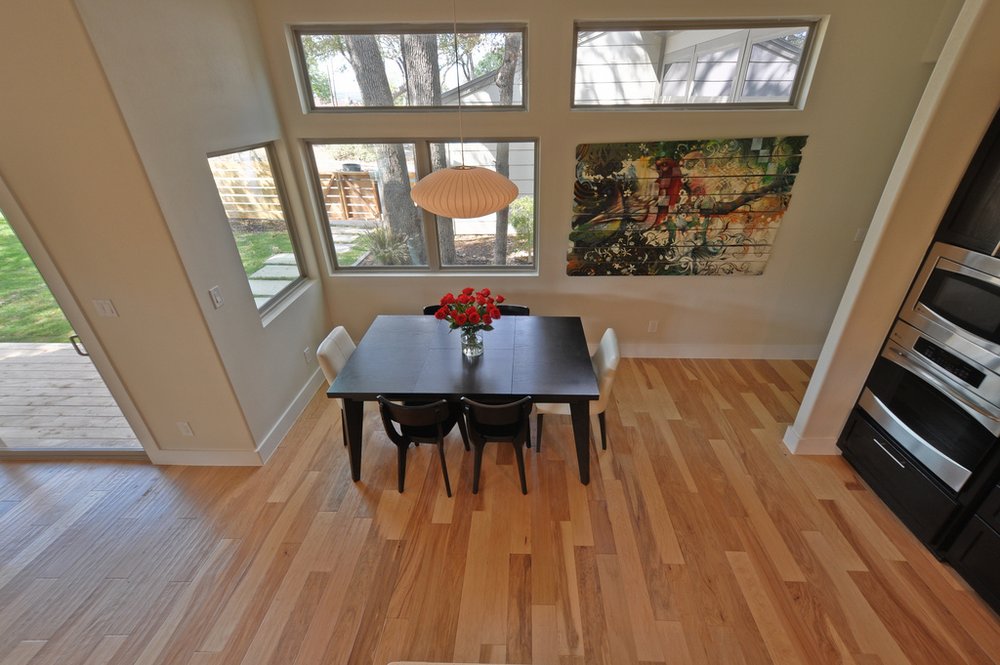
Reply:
x=215, y=293
x=106, y=308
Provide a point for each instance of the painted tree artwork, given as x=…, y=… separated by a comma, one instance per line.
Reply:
x=704, y=207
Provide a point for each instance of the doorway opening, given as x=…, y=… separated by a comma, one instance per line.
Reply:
x=52, y=398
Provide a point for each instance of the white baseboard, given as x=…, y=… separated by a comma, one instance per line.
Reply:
x=288, y=418
x=205, y=457
x=816, y=445
x=742, y=351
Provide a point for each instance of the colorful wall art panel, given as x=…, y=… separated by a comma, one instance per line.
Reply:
x=706, y=207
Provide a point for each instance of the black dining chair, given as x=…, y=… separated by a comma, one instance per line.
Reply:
x=513, y=310
x=418, y=423
x=497, y=422
x=431, y=309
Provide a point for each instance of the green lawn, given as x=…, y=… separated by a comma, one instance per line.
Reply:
x=28, y=312
x=256, y=247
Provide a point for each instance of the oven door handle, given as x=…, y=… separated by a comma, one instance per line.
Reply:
x=949, y=265
x=915, y=365
x=951, y=473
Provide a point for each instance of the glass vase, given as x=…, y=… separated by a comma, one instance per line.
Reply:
x=472, y=343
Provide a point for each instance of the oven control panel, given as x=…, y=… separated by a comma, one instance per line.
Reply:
x=949, y=362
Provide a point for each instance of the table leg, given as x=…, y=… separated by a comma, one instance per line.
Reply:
x=354, y=411
x=580, y=412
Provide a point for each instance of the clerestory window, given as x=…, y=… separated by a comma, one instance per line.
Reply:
x=704, y=64
x=384, y=68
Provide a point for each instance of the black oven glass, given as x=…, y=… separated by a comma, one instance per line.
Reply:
x=967, y=302
x=930, y=414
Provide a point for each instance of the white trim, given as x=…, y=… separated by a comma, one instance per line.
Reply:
x=287, y=420
x=742, y=351
x=206, y=458
x=817, y=445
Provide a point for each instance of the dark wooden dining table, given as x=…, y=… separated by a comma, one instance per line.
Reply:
x=418, y=357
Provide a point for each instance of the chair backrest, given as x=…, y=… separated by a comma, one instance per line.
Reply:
x=605, y=361
x=513, y=310
x=431, y=309
x=493, y=421
x=416, y=417
x=334, y=351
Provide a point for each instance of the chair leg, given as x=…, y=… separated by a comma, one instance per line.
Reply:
x=519, y=454
x=538, y=433
x=464, y=430
x=477, y=466
x=604, y=440
x=401, y=473
x=444, y=468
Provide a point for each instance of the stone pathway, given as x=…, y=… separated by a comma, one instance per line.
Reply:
x=278, y=272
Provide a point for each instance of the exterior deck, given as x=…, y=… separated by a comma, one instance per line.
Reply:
x=53, y=398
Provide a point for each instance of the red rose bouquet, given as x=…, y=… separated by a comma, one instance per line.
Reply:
x=470, y=310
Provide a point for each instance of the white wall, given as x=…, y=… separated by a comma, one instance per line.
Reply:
x=72, y=167
x=869, y=76
x=189, y=78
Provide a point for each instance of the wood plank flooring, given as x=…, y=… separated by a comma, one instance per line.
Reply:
x=52, y=397
x=699, y=540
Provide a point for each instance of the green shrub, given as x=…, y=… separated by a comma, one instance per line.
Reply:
x=522, y=217
x=387, y=247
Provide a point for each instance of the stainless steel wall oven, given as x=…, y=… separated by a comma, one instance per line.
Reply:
x=931, y=403
x=935, y=388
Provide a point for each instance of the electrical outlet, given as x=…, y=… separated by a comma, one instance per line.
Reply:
x=185, y=428
x=859, y=235
x=307, y=353
x=653, y=326
x=215, y=293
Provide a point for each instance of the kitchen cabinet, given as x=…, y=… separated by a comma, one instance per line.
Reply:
x=973, y=217
x=899, y=481
x=975, y=554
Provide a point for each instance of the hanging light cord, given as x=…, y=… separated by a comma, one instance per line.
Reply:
x=458, y=78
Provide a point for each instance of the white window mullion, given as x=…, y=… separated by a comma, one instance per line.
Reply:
x=741, y=74
x=422, y=160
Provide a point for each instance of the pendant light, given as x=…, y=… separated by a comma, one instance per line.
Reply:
x=462, y=191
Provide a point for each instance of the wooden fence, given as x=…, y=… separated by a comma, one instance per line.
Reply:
x=346, y=194
x=354, y=194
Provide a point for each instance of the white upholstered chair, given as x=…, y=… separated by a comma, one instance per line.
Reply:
x=605, y=361
x=332, y=354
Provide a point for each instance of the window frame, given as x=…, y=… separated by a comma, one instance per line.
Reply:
x=301, y=68
x=796, y=99
x=270, y=149
x=429, y=225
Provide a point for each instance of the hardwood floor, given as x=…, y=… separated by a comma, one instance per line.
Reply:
x=699, y=540
x=52, y=397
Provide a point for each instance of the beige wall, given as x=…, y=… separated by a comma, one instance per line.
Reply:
x=70, y=162
x=190, y=79
x=869, y=76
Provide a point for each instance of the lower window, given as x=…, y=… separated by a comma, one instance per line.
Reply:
x=373, y=223
x=254, y=204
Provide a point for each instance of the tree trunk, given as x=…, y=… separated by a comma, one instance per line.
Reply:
x=398, y=210
x=423, y=84
x=505, y=84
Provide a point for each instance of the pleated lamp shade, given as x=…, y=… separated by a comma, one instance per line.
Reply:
x=463, y=191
